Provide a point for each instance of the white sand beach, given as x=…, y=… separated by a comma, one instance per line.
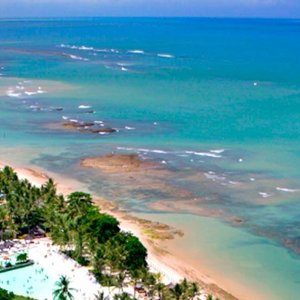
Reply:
x=56, y=264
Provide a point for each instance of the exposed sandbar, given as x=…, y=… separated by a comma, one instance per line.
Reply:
x=114, y=163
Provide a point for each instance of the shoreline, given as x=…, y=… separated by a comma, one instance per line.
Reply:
x=160, y=258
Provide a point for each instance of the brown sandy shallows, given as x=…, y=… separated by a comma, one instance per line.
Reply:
x=49, y=86
x=142, y=177
x=136, y=175
x=37, y=52
x=115, y=163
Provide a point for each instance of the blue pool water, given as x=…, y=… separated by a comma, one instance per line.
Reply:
x=32, y=281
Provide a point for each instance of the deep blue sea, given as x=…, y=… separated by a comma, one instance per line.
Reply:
x=214, y=101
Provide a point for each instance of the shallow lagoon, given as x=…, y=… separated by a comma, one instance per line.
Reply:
x=264, y=269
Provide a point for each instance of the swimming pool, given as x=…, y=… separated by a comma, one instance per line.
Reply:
x=38, y=281
x=32, y=281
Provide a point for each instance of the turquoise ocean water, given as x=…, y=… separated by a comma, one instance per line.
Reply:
x=215, y=101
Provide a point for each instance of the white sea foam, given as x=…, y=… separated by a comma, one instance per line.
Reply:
x=143, y=150
x=36, y=107
x=101, y=50
x=30, y=93
x=65, y=117
x=232, y=182
x=165, y=55
x=69, y=46
x=217, y=151
x=122, y=64
x=129, y=128
x=125, y=148
x=85, y=48
x=82, y=106
x=98, y=122
x=136, y=51
x=73, y=120
x=75, y=57
x=203, y=154
x=13, y=94
x=214, y=177
x=153, y=151
x=41, y=92
x=265, y=195
x=287, y=190
x=124, y=69
x=159, y=151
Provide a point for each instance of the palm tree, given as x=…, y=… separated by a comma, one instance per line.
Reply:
x=79, y=203
x=123, y=296
x=59, y=229
x=120, y=281
x=79, y=206
x=178, y=291
x=63, y=291
x=136, y=275
x=159, y=286
x=193, y=290
x=99, y=296
x=149, y=281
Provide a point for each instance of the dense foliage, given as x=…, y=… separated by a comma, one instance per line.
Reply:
x=84, y=233
x=63, y=290
x=5, y=295
x=75, y=223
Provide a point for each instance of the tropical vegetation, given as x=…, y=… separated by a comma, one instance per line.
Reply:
x=84, y=233
x=63, y=290
x=5, y=295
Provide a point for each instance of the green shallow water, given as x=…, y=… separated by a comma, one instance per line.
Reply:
x=229, y=253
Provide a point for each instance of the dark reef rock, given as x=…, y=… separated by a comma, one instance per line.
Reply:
x=87, y=127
